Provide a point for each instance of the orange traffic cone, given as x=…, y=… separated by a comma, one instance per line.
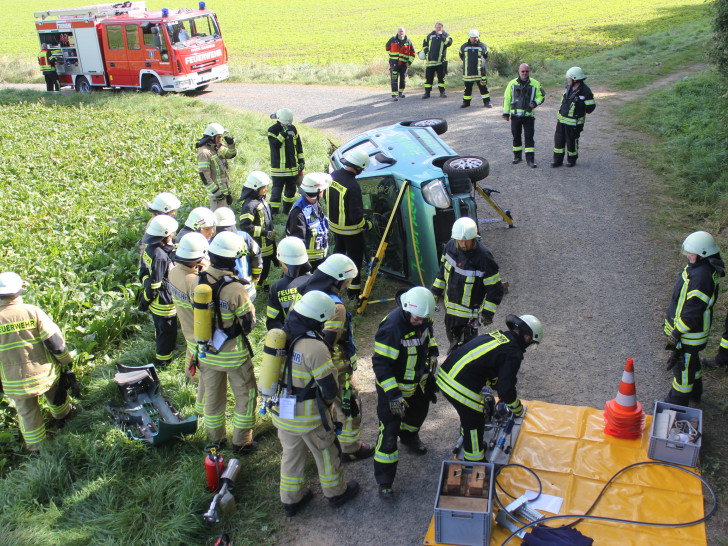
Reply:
x=623, y=415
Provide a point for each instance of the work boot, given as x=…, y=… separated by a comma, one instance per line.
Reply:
x=364, y=452
x=353, y=295
x=401, y=95
x=61, y=423
x=516, y=160
x=487, y=104
x=414, y=444
x=426, y=95
x=712, y=363
x=531, y=164
x=465, y=104
x=352, y=490
x=443, y=95
x=556, y=164
x=385, y=491
x=252, y=447
x=570, y=164
x=394, y=98
x=293, y=509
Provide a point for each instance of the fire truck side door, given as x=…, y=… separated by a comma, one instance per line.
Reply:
x=136, y=55
x=117, y=63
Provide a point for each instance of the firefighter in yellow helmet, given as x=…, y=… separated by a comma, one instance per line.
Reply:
x=286, y=160
x=212, y=164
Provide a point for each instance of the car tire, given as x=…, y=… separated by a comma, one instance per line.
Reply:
x=154, y=86
x=474, y=167
x=83, y=85
x=438, y=125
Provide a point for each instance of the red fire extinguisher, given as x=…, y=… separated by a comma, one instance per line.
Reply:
x=214, y=465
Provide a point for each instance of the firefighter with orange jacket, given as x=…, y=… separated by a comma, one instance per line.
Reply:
x=401, y=55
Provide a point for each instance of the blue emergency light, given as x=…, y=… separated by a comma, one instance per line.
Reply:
x=165, y=12
x=202, y=5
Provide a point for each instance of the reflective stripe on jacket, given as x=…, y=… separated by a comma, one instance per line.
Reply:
x=212, y=165
x=575, y=105
x=435, y=47
x=286, y=150
x=345, y=205
x=401, y=52
x=519, y=95
x=316, y=236
x=256, y=217
x=154, y=268
x=473, y=56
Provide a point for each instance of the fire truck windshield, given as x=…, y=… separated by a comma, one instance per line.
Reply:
x=203, y=28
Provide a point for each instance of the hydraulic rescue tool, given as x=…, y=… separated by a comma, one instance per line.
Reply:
x=223, y=501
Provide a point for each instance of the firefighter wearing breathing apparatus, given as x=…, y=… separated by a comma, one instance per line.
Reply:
x=307, y=220
x=333, y=278
x=256, y=219
x=491, y=360
x=293, y=258
x=286, y=160
x=303, y=416
x=212, y=166
x=470, y=282
x=404, y=360
x=226, y=354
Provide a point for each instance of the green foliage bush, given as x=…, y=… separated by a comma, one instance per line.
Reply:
x=719, y=50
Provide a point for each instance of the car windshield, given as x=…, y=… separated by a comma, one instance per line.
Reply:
x=203, y=28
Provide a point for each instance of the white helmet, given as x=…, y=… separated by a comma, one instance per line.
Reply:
x=700, y=243
x=214, y=129
x=159, y=228
x=165, y=203
x=474, y=33
x=528, y=323
x=224, y=217
x=575, y=73
x=339, y=267
x=284, y=115
x=315, y=305
x=256, y=180
x=419, y=301
x=227, y=244
x=192, y=246
x=313, y=183
x=200, y=217
x=10, y=284
x=464, y=229
x=292, y=251
x=356, y=158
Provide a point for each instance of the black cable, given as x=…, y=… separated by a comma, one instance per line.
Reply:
x=617, y=520
x=516, y=465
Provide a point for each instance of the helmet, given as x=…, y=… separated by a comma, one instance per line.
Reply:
x=315, y=305
x=192, y=246
x=464, y=229
x=165, y=202
x=10, y=284
x=356, y=158
x=214, y=129
x=575, y=73
x=419, y=301
x=256, y=180
x=200, y=217
x=284, y=115
x=227, y=244
x=474, y=33
x=422, y=55
x=528, y=323
x=292, y=251
x=700, y=243
x=224, y=217
x=339, y=266
x=159, y=228
x=313, y=183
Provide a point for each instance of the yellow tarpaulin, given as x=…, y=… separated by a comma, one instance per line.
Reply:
x=567, y=448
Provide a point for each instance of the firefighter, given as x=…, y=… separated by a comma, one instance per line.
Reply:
x=307, y=220
x=164, y=203
x=470, y=282
x=576, y=103
x=189, y=259
x=474, y=54
x=212, y=164
x=292, y=256
x=47, y=62
x=33, y=356
x=229, y=360
x=250, y=264
x=404, y=357
x=346, y=212
x=200, y=220
x=690, y=315
x=523, y=95
x=333, y=278
x=256, y=219
x=286, y=160
x=156, y=296
x=492, y=359
x=310, y=381
x=401, y=56
x=435, y=48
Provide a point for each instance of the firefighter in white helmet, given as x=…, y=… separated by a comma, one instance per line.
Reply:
x=212, y=164
x=190, y=257
x=303, y=417
x=474, y=54
x=250, y=264
x=576, y=102
x=33, y=356
x=333, y=277
x=164, y=203
x=404, y=358
x=470, y=282
x=492, y=360
x=256, y=219
x=286, y=160
x=292, y=256
x=346, y=212
x=156, y=296
x=200, y=220
x=307, y=220
x=228, y=358
x=690, y=315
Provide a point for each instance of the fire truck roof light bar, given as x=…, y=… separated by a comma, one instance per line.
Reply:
x=90, y=11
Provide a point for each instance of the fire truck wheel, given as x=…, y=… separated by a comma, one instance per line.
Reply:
x=154, y=86
x=83, y=85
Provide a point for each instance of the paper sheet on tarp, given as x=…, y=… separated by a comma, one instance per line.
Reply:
x=572, y=456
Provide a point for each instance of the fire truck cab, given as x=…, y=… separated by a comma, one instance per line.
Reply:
x=125, y=46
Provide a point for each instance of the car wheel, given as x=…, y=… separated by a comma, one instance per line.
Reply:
x=475, y=168
x=438, y=125
x=83, y=85
x=154, y=86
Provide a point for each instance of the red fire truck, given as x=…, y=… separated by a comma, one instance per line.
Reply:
x=125, y=46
